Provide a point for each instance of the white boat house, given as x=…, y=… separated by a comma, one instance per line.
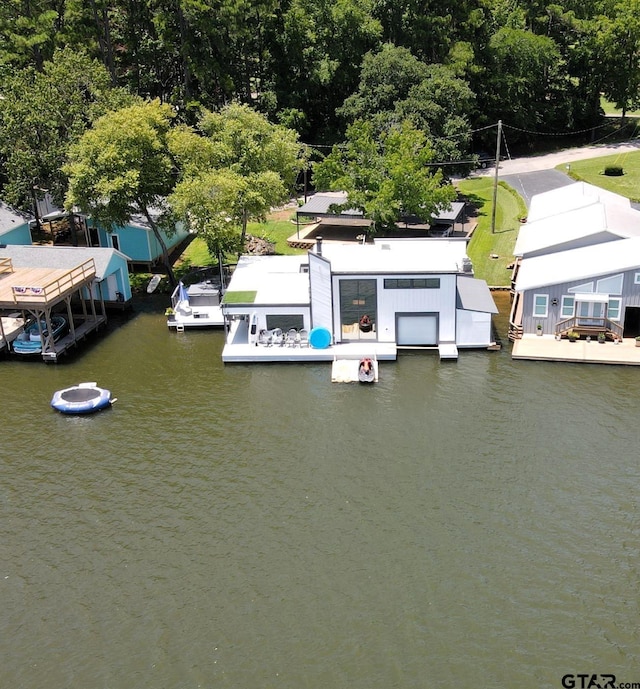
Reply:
x=368, y=299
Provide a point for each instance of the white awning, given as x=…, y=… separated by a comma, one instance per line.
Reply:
x=593, y=297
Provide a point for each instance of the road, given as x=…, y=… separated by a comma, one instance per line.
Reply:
x=536, y=174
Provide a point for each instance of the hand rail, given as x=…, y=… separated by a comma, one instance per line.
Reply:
x=56, y=287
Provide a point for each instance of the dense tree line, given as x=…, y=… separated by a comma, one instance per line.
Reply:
x=355, y=72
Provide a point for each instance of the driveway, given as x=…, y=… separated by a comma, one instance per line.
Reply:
x=536, y=174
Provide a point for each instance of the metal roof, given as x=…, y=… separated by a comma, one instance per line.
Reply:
x=474, y=295
x=615, y=220
x=275, y=279
x=319, y=204
x=571, y=197
x=60, y=257
x=579, y=264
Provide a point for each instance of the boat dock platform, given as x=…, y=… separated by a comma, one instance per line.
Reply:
x=346, y=370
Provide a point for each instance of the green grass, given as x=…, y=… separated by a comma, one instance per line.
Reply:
x=591, y=171
x=277, y=232
x=485, y=243
x=240, y=297
x=610, y=109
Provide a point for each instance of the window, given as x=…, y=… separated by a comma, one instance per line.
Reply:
x=115, y=242
x=412, y=283
x=540, y=305
x=566, y=310
x=613, y=310
x=285, y=321
x=358, y=309
x=636, y=279
x=582, y=289
x=612, y=285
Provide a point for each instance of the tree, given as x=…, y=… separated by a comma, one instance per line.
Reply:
x=122, y=167
x=619, y=38
x=255, y=163
x=42, y=113
x=385, y=177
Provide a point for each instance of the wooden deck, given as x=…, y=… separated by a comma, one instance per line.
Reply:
x=547, y=348
x=28, y=288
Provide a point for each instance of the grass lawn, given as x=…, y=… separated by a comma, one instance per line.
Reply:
x=610, y=109
x=510, y=208
x=592, y=171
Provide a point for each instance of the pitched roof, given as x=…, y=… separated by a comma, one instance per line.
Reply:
x=571, y=197
x=62, y=257
x=10, y=218
x=615, y=220
x=579, y=264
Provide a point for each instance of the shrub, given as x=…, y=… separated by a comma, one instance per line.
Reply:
x=613, y=171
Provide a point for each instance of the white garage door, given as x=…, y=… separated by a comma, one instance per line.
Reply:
x=417, y=330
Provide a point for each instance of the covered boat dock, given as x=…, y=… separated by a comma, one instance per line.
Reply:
x=35, y=293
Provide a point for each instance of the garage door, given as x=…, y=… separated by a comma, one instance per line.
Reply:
x=417, y=330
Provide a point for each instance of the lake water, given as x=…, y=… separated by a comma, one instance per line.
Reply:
x=459, y=524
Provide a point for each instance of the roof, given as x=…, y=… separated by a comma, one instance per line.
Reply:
x=474, y=295
x=10, y=218
x=616, y=220
x=398, y=256
x=571, y=197
x=319, y=204
x=274, y=279
x=60, y=257
x=579, y=264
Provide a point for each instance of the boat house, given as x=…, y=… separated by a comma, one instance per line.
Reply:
x=371, y=298
x=78, y=283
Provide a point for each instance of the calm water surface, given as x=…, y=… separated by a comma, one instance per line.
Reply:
x=469, y=524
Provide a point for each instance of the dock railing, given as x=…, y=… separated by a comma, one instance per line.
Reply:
x=43, y=294
x=5, y=265
x=588, y=325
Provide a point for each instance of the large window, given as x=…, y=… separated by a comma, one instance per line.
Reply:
x=540, y=305
x=358, y=309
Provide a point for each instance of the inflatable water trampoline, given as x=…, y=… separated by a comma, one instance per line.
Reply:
x=83, y=398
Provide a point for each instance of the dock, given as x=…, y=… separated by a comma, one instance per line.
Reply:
x=346, y=370
x=547, y=348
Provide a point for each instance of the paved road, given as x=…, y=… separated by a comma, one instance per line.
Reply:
x=536, y=174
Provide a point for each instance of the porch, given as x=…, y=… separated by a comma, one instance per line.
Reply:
x=548, y=348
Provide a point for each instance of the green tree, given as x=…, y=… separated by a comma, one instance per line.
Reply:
x=619, y=38
x=43, y=113
x=395, y=86
x=122, y=167
x=235, y=170
x=387, y=176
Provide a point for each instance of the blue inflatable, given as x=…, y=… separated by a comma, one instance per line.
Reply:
x=83, y=398
x=319, y=338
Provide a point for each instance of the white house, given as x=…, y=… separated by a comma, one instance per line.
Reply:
x=392, y=293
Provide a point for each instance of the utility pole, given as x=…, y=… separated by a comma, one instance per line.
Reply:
x=495, y=179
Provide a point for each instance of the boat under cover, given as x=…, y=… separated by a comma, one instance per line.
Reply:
x=30, y=342
x=83, y=398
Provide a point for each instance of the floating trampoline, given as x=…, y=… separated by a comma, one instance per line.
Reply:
x=319, y=338
x=83, y=398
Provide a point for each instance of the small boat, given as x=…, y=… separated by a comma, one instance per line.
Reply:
x=153, y=283
x=83, y=398
x=366, y=371
x=30, y=342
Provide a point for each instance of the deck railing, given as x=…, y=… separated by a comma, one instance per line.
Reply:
x=5, y=265
x=42, y=294
x=588, y=324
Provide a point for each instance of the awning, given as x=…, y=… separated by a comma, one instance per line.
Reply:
x=592, y=297
x=474, y=295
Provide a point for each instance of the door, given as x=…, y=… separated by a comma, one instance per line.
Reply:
x=358, y=309
x=417, y=330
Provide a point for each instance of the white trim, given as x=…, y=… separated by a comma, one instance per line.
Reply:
x=593, y=297
x=619, y=308
x=564, y=303
x=636, y=279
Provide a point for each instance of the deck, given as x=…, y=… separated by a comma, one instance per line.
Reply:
x=238, y=350
x=547, y=348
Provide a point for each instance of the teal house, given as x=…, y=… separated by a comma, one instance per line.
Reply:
x=137, y=241
x=14, y=226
